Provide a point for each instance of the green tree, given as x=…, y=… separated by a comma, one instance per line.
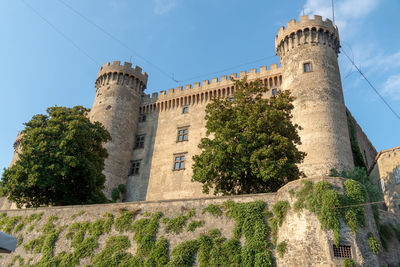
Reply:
x=251, y=142
x=60, y=162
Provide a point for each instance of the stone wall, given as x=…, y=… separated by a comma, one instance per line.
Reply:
x=308, y=51
x=116, y=106
x=157, y=180
x=391, y=256
x=367, y=149
x=307, y=243
x=385, y=171
x=137, y=184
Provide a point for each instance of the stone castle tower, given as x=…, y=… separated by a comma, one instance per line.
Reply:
x=148, y=132
x=116, y=106
x=308, y=50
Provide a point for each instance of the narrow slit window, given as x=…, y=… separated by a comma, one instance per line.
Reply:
x=307, y=67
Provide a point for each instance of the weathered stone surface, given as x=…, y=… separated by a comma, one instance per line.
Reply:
x=385, y=171
x=116, y=106
x=308, y=244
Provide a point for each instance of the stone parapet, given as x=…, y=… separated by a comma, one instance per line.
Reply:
x=307, y=31
x=122, y=74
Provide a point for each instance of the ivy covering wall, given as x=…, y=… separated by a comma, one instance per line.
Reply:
x=129, y=236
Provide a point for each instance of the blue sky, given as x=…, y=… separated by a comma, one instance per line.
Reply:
x=183, y=38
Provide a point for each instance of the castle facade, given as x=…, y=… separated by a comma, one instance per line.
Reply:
x=154, y=137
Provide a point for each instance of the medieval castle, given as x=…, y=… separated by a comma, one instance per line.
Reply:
x=153, y=141
x=154, y=138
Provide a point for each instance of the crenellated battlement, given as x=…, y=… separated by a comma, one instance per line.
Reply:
x=307, y=31
x=124, y=74
x=208, y=89
x=218, y=82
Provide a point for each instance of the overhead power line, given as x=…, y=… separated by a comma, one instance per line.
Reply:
x=113, y=37
x=126, y=46
x=223, y=70
x=370, y=84
x=60, y=32
x=117, y=40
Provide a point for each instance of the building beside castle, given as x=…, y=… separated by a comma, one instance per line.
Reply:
x=154, y=138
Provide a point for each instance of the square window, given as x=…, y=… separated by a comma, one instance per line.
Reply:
x=185, y=110
x=139, y=141
x=274, y=92
x=342, y=251
x=183, y=134
x=135, y=165
x=179, y=162
x=307, y=67
x=142, y=118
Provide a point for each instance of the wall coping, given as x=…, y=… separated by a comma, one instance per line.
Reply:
x=280, y=191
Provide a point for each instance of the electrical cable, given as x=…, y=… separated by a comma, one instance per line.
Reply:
x=219, y=71
x=117, y=40
x=370, y=84
x=142, y=57
x=126, y=46
x=60, y=32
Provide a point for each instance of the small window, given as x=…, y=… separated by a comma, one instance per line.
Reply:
x=179, y=162
x=185, y=110
x=139, y=141
x=142, y=118
x=274, y=92
x=135, y=165
x=183, y=134
x=342, y=251
x=307, y=67
x=396, y=173
x=231, y=99
x=382, y=185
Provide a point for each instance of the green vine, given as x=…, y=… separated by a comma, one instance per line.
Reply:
x=355, y=149
x=15, y=259
x=349, y=263
x=281, y=248
x=324, y=200
x=250, y=222
x=124, y=221
x=118, y=192
x=114, y=253
x=213, y=209
x=279, y=211
x=215, y=250
x=193, y=225
x=81, y=212
x=176, y=225
x=373, y=243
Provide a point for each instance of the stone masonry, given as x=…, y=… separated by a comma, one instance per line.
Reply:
x=145, y=129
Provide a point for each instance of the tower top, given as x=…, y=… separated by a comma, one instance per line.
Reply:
x=125, y=69
x=307, y=32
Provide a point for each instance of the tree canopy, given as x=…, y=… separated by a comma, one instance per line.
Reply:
x=61, y=159
x=250, y=145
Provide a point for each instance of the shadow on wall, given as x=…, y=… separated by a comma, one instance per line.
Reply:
x=391, y=189
x=141, y=162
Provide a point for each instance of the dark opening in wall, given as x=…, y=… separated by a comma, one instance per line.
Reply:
x=307, y=67
x=342, y=251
